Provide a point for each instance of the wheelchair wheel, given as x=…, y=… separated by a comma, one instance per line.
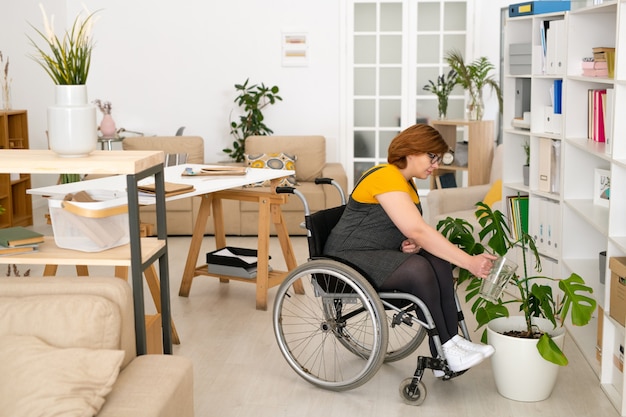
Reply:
x=335, y=335
x=415, y=396
x=404, y=337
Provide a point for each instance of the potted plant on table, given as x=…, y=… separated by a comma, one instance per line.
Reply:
x=72, y=129
x=253, y=99
x=442, y=89
x=534, y=339
x=473, y=77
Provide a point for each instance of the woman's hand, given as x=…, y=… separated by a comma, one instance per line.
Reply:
x=409, y=246
x=481, y=264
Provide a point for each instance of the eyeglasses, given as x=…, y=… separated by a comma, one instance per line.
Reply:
x=434, y=158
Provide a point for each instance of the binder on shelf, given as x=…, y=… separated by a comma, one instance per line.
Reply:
x=545, y=164
x=538, y=7
x=553, y=228
x=555, y=47
x=555, y=167
x=558, y=96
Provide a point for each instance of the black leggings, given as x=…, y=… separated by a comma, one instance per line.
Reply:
x=430, y=279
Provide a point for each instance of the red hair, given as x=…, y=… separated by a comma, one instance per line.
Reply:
x=417, y=139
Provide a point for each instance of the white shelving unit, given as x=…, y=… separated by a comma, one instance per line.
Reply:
x=583, y=228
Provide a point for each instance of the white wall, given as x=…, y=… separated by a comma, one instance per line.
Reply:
x=165, y=64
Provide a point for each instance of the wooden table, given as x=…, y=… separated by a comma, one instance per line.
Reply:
x=213, y=190
x=269, y=210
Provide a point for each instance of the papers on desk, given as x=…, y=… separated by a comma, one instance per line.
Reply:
x=214, y=171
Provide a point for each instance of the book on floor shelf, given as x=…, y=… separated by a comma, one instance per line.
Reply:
x=19, y=236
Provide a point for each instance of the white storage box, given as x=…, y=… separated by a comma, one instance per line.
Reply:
x=90, y=226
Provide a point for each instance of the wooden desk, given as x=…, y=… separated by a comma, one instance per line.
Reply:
x=134, y=166
x=213, y=190
x=269, y=210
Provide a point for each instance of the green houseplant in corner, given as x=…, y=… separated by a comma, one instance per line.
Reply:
x=252, y=99
x=540, y=326
x=442, y=89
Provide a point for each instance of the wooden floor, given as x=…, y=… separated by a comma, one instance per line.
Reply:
x=239, y=371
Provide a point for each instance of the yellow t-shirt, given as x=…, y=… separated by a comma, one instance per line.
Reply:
x=382, y=179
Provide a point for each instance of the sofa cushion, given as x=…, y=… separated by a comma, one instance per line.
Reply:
x=193, y=146
x=278, y=160
x=42, y=380
x=311, y=152
x=63, y=320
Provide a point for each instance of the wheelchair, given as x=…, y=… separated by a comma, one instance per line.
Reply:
x=341, y=330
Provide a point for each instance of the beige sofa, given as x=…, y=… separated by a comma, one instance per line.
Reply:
x=241, y=218
x=62, y=341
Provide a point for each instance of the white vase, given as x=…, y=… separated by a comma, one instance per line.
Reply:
x=519, y=371
x=72, y=126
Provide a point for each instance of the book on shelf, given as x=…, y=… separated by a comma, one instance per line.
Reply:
x=596, y=124
x=518, y=215
x=12, y=237
x=16, y=250
x=605, y=54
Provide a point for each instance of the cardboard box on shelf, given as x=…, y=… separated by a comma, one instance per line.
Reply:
x=617, y=308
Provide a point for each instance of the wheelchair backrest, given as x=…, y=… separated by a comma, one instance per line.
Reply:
x=320, y=225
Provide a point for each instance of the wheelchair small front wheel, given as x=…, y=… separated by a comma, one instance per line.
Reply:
x=335, y=334
x=412, y=395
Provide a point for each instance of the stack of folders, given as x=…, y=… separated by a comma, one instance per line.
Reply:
x=232, y=261
x=16, y=240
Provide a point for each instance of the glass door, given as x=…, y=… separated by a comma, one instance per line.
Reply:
x=394, y=49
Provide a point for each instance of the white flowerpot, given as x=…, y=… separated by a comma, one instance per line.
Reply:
x=72, y=126
x=519, y=371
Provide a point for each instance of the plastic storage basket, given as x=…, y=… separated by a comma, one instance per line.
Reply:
x=90, y=226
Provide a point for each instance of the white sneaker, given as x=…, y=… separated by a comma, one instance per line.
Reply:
x=438, y=373
x=460, y=359
x=485, y=350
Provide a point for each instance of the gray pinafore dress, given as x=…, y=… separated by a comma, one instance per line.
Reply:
x=366, y=238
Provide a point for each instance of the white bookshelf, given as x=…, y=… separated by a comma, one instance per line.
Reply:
x=585, y=228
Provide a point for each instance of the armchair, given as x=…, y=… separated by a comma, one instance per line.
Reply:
x=461, y=202
x=63, y=341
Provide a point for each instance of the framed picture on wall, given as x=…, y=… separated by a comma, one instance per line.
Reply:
x=601, y=187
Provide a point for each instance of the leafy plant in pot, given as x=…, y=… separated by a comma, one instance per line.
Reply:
x=473, y=77
x=540, y=328
x=253, y=99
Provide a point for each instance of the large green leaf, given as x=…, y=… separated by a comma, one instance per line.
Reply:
x=550, y=351
x=574, y=299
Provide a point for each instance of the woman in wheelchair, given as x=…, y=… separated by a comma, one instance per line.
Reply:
x=382, y=231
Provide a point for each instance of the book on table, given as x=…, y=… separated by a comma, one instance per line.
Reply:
x=12, y=237
x=171, y=188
